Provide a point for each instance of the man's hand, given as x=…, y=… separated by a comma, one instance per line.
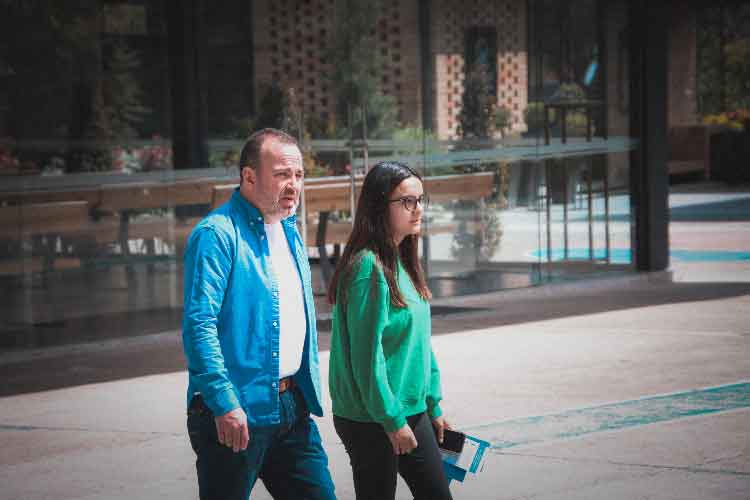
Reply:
x=232, y=429
x=440, y=424
x=402, y=440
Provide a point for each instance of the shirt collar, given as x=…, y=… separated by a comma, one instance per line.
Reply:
x=253, y=214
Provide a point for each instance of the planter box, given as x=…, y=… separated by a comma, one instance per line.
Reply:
x=689, y=150
x=730, y=157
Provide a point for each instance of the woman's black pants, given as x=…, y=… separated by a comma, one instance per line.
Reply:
x=375, y=465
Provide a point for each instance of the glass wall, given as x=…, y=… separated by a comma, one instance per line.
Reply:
x=579, y=90
x=121, y=124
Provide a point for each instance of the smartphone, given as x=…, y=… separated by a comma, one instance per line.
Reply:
x=453, y=441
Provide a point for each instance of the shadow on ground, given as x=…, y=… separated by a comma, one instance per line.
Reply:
x=547, y=306
x=714, y=211
x=737, y=210
x=77, y=365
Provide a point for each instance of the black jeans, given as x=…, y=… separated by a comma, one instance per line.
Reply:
x=288, y=457
x=374, y=464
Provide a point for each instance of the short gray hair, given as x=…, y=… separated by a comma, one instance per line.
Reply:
x=250, y=155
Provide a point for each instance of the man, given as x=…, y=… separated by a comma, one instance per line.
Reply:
x=250, y=339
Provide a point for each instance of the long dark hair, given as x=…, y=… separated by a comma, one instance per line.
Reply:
x=372, y=231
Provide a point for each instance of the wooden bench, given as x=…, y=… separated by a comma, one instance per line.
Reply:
x=220, y=194
x=114, y=208
x=43, y=218
x=154, y=195
x=127, y=200
x=330, y=196
x=90, y=195
x=333, y=194
x=336, y=232
x=19, y=223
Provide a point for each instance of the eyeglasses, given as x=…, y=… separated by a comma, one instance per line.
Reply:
x=410, y=202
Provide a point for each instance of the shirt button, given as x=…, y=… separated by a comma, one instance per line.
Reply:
x=275, y=324
x=262, y=236
x=275, y=354
x=260, y=219
x=274, y=385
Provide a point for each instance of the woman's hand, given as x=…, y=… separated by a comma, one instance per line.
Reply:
x=402, y=440
x=440, y=424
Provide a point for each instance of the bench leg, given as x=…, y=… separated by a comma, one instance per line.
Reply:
x=326, y=269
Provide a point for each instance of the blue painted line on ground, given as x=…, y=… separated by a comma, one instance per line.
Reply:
x=709, y=255
x=623, y=256
x=614, y=416
x=616, y=255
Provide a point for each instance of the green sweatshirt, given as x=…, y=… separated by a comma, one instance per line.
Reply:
x=382, y=368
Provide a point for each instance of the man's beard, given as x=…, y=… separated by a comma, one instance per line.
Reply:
x=285, y=212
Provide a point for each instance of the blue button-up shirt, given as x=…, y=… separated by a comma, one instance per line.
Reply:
x=231, y=323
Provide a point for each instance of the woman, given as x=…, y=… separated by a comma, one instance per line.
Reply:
x=384, y=380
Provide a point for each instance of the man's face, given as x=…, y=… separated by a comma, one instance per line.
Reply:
x=276, y=183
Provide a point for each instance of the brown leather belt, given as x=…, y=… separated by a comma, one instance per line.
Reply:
x=285, y=384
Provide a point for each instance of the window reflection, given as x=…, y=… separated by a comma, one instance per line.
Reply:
x=517, y=113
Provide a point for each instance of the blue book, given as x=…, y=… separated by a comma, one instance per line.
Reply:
x=461, y=454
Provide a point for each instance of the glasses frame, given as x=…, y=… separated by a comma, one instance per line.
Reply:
x=422, y=200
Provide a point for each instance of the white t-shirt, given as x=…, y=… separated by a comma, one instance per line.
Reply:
x=291, y=302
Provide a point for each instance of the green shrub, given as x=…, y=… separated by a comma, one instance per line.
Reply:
x=533, y=115
x=576, y=123
x=569, y=92
x=503, y=119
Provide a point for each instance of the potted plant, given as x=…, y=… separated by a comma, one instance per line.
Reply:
x=730, y=147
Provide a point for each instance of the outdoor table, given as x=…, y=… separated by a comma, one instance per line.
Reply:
x=563, y=107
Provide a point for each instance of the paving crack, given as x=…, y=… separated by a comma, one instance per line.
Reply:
x=655, y=467
x=30, y=428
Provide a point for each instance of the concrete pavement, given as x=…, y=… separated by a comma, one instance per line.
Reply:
x=126, y=438
x=632, y=387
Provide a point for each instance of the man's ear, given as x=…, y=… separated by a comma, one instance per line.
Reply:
x=248, y=175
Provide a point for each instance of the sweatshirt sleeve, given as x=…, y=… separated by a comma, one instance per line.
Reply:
x=208, y=262
x=434, y=394
x=367, y=307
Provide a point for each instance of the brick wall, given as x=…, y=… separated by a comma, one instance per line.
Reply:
x=450, y=22
x=291, y=38
x=289, y=42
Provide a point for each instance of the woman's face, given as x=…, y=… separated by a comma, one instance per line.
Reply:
x=404, y=222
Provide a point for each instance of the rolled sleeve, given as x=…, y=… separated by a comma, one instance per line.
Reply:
x=208, y=262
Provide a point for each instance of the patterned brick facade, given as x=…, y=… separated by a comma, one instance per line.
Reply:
x=449, y=26
x=291, y=36
x=398, y=40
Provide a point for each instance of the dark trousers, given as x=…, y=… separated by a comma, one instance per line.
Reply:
x=374, y=464
x=288, y=457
